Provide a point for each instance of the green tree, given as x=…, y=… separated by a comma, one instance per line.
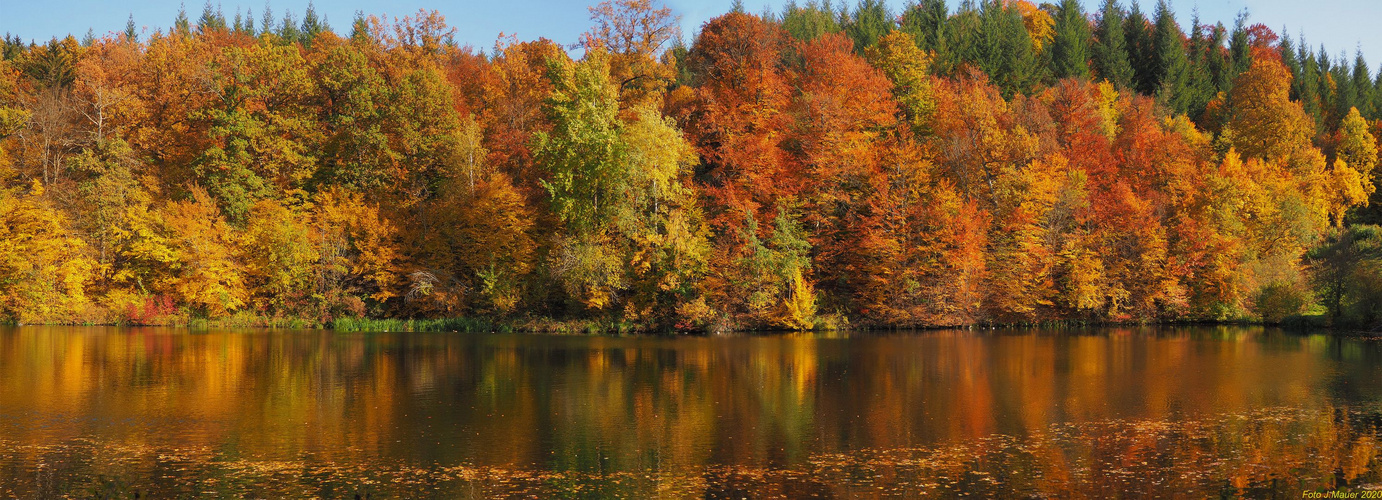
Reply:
x=1172, y=67
x=1362, y=85
x=288, y=31
x=1201, y=53
x=809, y=21
x=925, y=21
x=1002, y=48
x=582, y=153
x=131, y=31
x=772, y=274
x=1239, y=47
x=1110, y=51
x=868, y=22
x=355, y=101
x=312, y=26
x=1070, y=49
x=211, y=21
x=584, y=159
x=1140, y=37
x=261, y=129
x=1337, y=262
x=181, y=24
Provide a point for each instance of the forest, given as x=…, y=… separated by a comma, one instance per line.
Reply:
x=825, y=166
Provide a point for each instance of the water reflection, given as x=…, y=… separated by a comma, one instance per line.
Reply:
x=1211, y=410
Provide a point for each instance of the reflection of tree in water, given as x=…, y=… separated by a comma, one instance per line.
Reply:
x=1170, y=412
x=1265, y=453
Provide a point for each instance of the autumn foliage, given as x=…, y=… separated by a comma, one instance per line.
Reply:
x=818, y=169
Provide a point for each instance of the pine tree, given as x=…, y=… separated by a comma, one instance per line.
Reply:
x=131, y=32
x=1240, y=53
x=1362, y=85
x=1218, y=63
x=180, y=24
x=811, y=21
x=288, y=31
x=1002, y=49
x=1289, y=59
x=1110, y=48
x=869, y=22
x=925, y=21
x=1376, y=97
x=1070, y=49
x=211, y=19
x=311, y=25
x=359, y=28
x=1328, y=89
x=1344, y=95
x=1172, y=70
x=1308, y=85
x=959, y=37
x=266, y=24
x=1202, y=88
x=1141, y=53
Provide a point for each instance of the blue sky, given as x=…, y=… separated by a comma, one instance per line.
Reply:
x=1342, y=25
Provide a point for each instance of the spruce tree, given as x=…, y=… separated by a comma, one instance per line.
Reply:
x=869, y=22
x=1326, y=91
x=960, y=37
x=211, y=19
x=1003, y=49
x=1171, y=70
x=288, y=31
x=1141, y=54
x=1070, y=49
x=1309, y=83
x=131, y=31
x=925, y=21
x=1344, y=96
x=1240, y=53
x=1200, y=50
x=809, y=22
x=180, y=24
x=1362, y=85
x=1110, y=47
x=359, y=28
x=1288, y=58
x=266, y=24
x=311, y=25
x=1218, y=63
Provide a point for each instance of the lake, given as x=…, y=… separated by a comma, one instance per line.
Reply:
x=1141, y=412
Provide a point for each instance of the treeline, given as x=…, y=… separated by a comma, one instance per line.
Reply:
x=820, y=167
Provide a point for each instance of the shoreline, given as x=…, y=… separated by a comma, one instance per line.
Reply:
x=608, y=328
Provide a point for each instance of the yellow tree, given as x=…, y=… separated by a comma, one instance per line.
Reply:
x=1291, y=192
x=278, y=256
x=43, y=270
x=359, y=257
x=186, y=250
x=634, y=33
x=663, y=223
x=897, y=55
x=1263, y=122
x=1351, y=178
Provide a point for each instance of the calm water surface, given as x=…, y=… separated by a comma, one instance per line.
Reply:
x=1085, y=413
